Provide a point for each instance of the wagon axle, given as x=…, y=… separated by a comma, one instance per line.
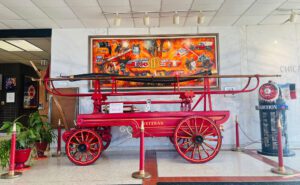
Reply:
x=82, y=147
x=198, y=139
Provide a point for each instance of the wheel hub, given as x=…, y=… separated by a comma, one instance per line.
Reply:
x=199, y=139
x=82, y=148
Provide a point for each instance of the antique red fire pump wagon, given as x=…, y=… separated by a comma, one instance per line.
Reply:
x=196, y=135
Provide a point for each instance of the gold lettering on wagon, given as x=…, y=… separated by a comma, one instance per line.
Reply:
x=154, y=123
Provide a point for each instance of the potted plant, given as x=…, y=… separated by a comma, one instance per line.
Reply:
x=43, y=130
x=4, y=152
x=25, y=141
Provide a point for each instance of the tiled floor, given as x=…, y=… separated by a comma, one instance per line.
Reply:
x=227, y=163
x=111, y=168
x=292, y=162
x=116, y=167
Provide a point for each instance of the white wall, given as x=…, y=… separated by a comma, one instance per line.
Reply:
x=245, y=50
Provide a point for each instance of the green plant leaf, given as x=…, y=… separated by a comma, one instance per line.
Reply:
x=22, y=144
x=6, y=125
x=4, y=152
x=31, y=134
x=42, y=130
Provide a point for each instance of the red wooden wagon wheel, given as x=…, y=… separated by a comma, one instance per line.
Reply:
x=84, y=147
x=105, y=133
x=197, y=139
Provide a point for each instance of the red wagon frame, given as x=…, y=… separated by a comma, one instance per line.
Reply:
x=196, y=134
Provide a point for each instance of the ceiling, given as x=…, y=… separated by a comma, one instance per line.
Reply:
x=38, y=57
x=22, y=14
x=30, y=14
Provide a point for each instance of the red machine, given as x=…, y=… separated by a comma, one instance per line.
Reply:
x=196, y=135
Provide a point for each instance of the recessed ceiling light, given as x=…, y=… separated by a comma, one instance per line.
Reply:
x=23, y=44
x=293, y=17
x=176, y=19
x=146, y=19
x=117, y=20
x=200, y=18
x=8, y=47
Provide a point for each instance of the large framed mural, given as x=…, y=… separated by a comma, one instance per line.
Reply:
x=170, y=55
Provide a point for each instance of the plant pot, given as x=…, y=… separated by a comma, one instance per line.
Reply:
x=41, y=148
x=21, y=157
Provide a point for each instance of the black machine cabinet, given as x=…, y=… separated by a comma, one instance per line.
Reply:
x=271, y=108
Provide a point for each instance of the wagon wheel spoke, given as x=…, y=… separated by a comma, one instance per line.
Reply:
x=184, y=137
x=83, y=157
x=190, y=134
x=82, y=137
x=80, y=157
x=211, y=139
x=77, y=139
x=182, y=144
x=74, y=154
x=199, y=152
x=209, y=134
x=202, y=133
x=93, y=149
x=206, y=152
x=73, y=149
x=94, y=146
x=189, y=126
x=87, y=137
x=92, y=154
x=86, y=156
x=201, y=125
x=73, y=143
x=189, y=143
x=91, y=140
x=181, y=141
x=188, y=149
x=195, y=122
x=93, y=143
x=193, y=152
x=209, y=146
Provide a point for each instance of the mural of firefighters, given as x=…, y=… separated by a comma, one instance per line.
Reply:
x=160, y=56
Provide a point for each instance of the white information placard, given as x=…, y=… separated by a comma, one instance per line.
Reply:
x=116, y=108
x=10, y=97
